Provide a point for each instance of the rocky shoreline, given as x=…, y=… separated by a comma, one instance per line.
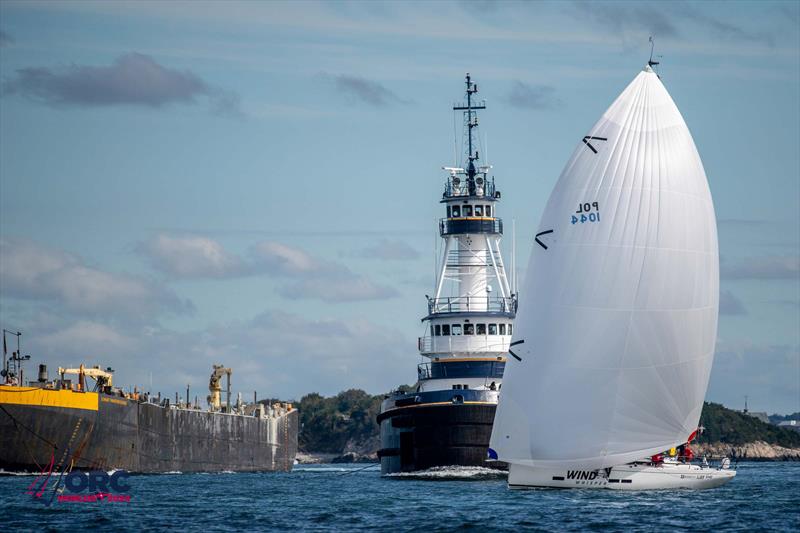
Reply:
x=751, y=451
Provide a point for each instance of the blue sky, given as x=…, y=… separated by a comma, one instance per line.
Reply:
x=257, y=184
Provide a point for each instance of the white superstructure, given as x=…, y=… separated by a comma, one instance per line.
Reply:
x=470, y=315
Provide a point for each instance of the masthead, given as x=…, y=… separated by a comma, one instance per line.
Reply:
x=471, y=119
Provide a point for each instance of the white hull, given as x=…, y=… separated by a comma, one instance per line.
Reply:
x=635, y=476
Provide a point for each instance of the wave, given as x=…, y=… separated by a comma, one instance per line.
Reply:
x=452, y=473
x=322, y=469
x=12, y=473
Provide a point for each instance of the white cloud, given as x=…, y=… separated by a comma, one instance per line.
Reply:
x=303, y=275
x=279, y=258
x=277, y=354
x=93, y=339
x=191, y=257
x=34, y=272
x=316, y=278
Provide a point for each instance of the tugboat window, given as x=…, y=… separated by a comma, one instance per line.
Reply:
x=478, y=210
x=481, y=329
x=492, y=329
x=431, y=330
x=456, y=211
x=467, y=210
x=510, y=329
x=438, y=331
x=448, y=211
x=502, y=329
x=488, y=210
x=465, y=386
x=456, y=329
x=446, y=330
x=469, y=329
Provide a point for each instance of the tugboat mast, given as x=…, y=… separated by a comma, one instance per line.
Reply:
x=471, y=122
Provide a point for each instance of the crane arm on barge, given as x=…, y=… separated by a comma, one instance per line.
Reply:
x=103, y=378
x=215, y=388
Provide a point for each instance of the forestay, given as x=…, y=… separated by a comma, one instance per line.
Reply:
x=618, y=314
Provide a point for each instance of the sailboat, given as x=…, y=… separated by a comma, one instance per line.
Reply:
x=617, y=320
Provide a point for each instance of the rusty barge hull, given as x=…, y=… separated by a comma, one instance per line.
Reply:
x=95, y=431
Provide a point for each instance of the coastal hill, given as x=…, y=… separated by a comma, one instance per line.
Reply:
x=343, y=428
x=723, y=425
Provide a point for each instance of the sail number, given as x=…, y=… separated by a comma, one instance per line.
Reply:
x=586, y=212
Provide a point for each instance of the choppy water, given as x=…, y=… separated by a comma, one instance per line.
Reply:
x=763, y=497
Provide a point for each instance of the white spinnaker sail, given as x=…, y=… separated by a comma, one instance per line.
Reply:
x=618, y=315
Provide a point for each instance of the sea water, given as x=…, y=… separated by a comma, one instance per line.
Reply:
x=762, y=497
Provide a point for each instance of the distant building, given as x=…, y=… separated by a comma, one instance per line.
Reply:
x=793, y=425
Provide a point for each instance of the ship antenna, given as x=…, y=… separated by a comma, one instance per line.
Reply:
x=650, y=61
x=652, y=45
x=471, y=122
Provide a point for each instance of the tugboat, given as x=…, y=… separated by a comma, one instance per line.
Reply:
x=447, y=418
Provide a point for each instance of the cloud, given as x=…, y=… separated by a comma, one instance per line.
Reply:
x=791, y=11
x=338, y=289
x=191, y=257
x=5, y=39
x=532, y=96
x=776, y=267
x=729, y=304
x=277, y=354
x=92, y=338
x=286, y=260
x=133, y=79
x=33, y=272
x=391, y=250
x=366, y=91
x=721, y=28
x=314, y=277
x=633, y=20
x=628, y=17
x=305, y=275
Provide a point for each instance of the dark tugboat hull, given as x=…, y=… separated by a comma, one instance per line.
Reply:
x=423, y=436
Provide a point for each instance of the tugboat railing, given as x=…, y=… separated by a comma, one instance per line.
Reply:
x=459, y=304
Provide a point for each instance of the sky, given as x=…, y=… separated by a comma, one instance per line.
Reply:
x=257, y=183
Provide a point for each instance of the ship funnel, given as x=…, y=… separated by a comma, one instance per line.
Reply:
x=42, y=373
